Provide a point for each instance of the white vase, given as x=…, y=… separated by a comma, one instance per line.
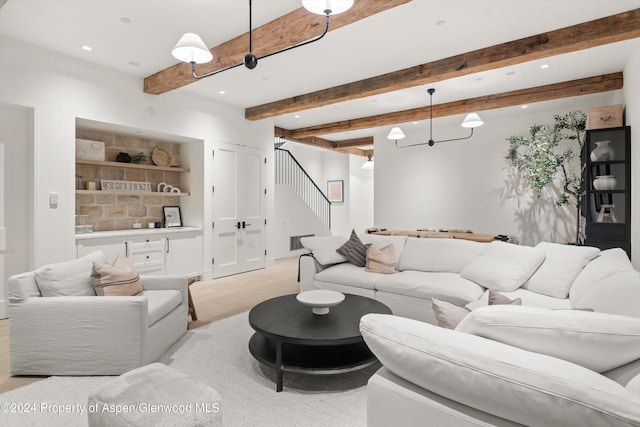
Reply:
x=602, y=152
x=605, y=182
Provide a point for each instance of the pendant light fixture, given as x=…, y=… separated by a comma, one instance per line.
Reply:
x=472, y=120
x=191, y=49
x=369, y=163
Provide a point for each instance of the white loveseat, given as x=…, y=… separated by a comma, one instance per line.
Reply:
x=79, y=333
x=550, y=362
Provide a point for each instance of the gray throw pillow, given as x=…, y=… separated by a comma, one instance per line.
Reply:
x=354, y=250
x=496, y=298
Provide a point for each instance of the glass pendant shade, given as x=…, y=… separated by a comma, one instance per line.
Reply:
x=321, y=6
x=191, y=48
x=472, y=121
x=396, y=133
x=369, y=163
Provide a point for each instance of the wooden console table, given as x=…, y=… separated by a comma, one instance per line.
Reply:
x=483, y=238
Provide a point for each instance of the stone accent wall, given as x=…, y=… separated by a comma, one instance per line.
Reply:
x=119, y=212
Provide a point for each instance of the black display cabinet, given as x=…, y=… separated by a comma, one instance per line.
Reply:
x=607, y=199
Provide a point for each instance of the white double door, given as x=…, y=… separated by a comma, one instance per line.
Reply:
x=239, y=210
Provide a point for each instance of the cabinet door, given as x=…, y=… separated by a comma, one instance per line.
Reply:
x=183, y=254
x=147, y=253
x=111, y=246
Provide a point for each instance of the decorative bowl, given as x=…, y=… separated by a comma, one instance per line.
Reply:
x=320, y=300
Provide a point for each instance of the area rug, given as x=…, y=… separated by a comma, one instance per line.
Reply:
x=218, y=355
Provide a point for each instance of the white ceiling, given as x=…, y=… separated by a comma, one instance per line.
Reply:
x=415, y=33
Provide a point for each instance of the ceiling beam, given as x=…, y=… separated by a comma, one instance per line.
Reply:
x=568, y=89
x=623, y=26
x=285, y=31
x=344, y=146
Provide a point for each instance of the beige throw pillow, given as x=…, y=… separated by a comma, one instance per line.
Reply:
x=496, y=298
x=448, y=315
x=381, y=260
x=119, y=279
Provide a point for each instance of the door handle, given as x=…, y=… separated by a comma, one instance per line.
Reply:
x=238, y=225
x=245, y=224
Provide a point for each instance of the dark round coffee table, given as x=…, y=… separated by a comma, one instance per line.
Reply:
x=290, y=338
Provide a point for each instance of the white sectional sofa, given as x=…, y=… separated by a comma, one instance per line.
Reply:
x=569, y=356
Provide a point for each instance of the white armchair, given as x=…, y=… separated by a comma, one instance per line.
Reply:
x=93, y=335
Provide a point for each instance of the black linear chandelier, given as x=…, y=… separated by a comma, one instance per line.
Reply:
x=191, y=49
x=472, y=120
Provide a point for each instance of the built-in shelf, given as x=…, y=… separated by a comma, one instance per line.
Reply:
x=132, y=193
x=130, y=166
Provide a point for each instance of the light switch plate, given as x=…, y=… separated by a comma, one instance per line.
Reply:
x=53, y=200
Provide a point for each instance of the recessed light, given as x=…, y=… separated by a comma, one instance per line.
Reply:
x=87, y=48
x=297, y=116
x=524, y=106
x=222, y=92
x=544, y=66
x=415, y=123
x=125, y=20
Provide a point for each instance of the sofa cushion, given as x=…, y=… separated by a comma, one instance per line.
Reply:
x=503, y=266
x=354, y=250
x=71, y=278
x=419, y=284
x=560, y=268
x=350, y=275
x=496, y=378
x=379, y=241
x=324, y=248
x=381, y=260
x=161, y=303
x=448, y=315
x=119, y=279
x=446, y=255
x=596, y=341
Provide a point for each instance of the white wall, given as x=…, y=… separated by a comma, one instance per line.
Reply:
x=466, y=184
x=60, y=89
x=632, y=99
x=361, y=194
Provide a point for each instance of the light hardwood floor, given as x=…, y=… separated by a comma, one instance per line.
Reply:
x=213, y=300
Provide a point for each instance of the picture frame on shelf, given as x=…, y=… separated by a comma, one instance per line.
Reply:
x=335, y=191
x=172, y=217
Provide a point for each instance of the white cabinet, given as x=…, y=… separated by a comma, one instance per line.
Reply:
x=158, y=251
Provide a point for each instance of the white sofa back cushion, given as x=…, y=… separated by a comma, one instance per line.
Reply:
x=446, y=255
x=503, y=266
x=324, y=248
x=560, y=268
x=70, y=278
x=379, y=242
x=597, y=341
x=511, y=383
x=608, y=284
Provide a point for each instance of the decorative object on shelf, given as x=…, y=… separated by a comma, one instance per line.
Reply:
x=163, y=187
x=335, y=191
x=81, y=225
x=602, y=152
x=90, y=150
x=162, y=157
x=116, y=185
x=172, y=216
x=91, y=185
x=320, y=300
x=472, y=120
x=139, y=158
x=191, y=49
x=605, y=182
x=123, y=157
x=608, y=116
x=606, y=212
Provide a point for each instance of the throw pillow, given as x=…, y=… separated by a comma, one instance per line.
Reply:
x=381, y=260
x=448, y=315
x=496, y=298
x=71, y=278
x=354, y=250
x=560, y=268
x=596, y=341
x=324, y=248
x=119, y=279
x=503, y=266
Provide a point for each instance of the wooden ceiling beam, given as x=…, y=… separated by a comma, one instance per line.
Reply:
x=622, y=26
x=344, y=146
x=568, y=89
x=288, y=30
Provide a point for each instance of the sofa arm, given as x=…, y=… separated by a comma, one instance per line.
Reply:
x=307, y=269
x=159, y=283
x=511, y=383
x=67, y=335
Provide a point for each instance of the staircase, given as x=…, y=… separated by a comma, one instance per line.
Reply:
x=290, y=172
